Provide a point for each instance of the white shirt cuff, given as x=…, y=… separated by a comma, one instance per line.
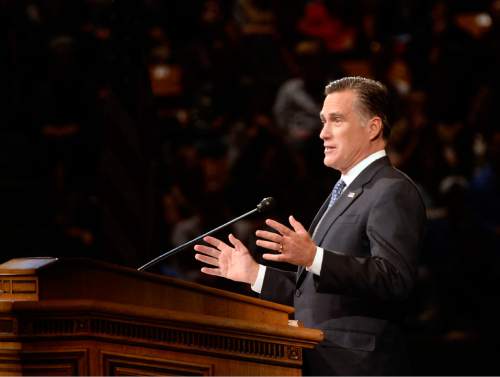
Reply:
x=315, y=267
x=259, y=281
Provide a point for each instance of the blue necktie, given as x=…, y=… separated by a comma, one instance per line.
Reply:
x=336, y=192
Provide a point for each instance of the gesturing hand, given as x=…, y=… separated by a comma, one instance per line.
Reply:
x=294, y=246
x=232, y=262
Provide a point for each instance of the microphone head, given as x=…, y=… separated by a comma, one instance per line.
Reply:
x=265, y=204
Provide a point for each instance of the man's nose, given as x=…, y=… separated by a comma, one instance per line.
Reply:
x=323, y=133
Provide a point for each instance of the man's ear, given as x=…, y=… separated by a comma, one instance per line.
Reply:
x=375, y=128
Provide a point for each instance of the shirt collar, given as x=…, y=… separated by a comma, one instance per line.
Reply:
x=356, y=170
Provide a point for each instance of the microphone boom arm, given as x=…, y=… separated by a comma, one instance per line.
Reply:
x=193, y=241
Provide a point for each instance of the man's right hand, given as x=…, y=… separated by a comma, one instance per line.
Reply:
x=232, y=262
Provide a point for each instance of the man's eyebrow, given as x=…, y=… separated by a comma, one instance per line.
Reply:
x=331, y=115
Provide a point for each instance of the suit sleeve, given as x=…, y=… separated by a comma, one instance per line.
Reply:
x=395, y=229
x=278, y=286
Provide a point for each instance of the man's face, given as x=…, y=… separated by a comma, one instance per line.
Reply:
x=345, y=133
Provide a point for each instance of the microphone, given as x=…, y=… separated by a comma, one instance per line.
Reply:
x=264, y=205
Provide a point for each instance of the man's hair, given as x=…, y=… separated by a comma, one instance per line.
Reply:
x=373, y=97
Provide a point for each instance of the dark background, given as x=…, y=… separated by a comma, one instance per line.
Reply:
x=129, y=127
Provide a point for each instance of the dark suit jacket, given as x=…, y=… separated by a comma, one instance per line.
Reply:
x=371, y=239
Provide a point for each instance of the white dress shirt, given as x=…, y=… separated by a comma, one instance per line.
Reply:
x=348, y=178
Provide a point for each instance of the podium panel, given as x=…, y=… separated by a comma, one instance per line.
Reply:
x=85, y=317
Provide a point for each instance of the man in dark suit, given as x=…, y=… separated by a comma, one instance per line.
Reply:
x=357, y=263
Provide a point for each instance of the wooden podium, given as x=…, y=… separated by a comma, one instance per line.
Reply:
x=83, y=317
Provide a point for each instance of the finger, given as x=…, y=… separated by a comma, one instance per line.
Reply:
x=279, y=227
x=268, y=245
x=208, y=260
x=211, y=271
x=235, y=242
x=271, y=236
x=215, y=242
x=274, y=257
x=297, y=226
x=207, y=250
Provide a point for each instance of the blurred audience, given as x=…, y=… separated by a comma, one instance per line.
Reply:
x=157, y=120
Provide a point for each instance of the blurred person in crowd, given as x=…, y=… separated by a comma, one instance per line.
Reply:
x=260, y=51
x=356, y=266
x=485, y=198
x=407, y=133
x=298, y=102
x=329, y=22
x=188, y=213
x=261, y=163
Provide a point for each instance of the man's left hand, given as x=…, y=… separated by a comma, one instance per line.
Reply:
x=294, y=246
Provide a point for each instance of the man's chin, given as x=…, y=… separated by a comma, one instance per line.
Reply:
x=329, y=163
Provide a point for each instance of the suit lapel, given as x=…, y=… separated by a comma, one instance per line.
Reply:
x=350, y=194
x=319, y=214
x=343, y=202
x=332, y=213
